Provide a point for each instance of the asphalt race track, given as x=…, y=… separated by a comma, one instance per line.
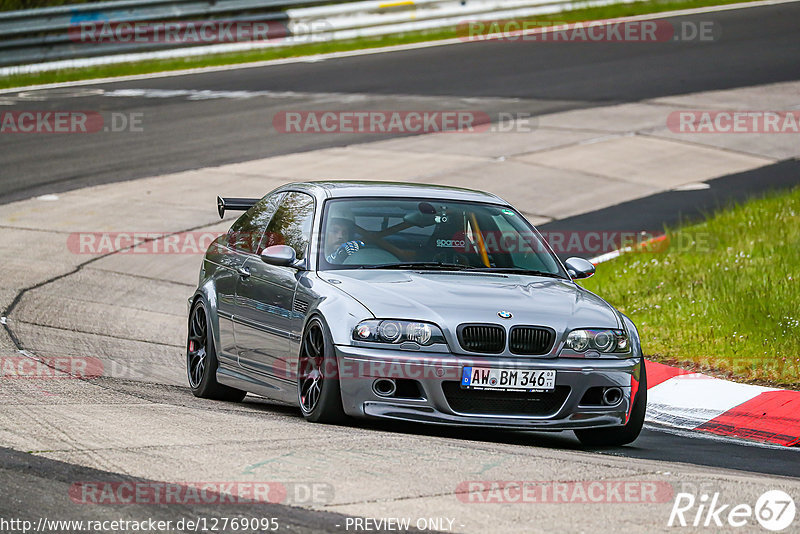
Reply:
x=756, y=46
x=214, y=118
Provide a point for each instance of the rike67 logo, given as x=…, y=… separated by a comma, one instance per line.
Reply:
x=774, y=510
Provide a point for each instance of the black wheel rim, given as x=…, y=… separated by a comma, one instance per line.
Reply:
x=196, y=347
x=310, y=375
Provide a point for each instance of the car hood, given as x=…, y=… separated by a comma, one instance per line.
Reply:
x=451, y=298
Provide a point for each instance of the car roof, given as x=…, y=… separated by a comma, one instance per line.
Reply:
x=353, y=188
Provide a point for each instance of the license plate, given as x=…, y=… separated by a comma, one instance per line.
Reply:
x=507, y=379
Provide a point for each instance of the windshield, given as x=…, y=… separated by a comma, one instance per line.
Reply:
x=431, y=234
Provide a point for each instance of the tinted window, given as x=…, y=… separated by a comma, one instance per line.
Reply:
x=246, y=232
x=291, y=224
x=379, y=231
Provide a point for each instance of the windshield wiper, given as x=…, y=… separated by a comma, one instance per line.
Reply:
x=418, y=265
x=516, y=270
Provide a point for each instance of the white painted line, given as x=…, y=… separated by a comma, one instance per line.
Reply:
x=694, y=186
x=608, y=256
x=369, y=51
x=617, y=253
x=207, y=94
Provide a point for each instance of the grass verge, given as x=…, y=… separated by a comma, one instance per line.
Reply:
x=723, y=297
x=150, y=66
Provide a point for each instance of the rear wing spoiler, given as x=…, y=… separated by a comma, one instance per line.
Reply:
x=234, y=204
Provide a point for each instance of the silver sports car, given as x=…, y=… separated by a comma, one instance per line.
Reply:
x=409, y=302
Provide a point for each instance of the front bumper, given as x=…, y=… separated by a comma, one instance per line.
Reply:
x=359, y=367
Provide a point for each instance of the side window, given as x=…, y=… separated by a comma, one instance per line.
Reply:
x=246, y=232
x=291, y=224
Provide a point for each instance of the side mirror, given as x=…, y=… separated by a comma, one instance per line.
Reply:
x=579, y=268
x=280, y=255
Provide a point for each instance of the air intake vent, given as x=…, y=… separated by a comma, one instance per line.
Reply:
x=504, y=402
x=300, y=306
x=531, y=339
x=488, y=338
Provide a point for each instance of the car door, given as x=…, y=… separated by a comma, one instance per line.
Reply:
x=229, y=256
x=238, y=246
x=265, y=296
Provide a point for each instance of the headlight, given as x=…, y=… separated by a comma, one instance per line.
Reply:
x=600, y=340
x=392, y=331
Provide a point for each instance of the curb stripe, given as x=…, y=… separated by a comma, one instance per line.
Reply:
x=693, y=401
x=771, y=417
x=658, y=373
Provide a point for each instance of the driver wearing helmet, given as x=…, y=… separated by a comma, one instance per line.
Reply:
x=339, y=240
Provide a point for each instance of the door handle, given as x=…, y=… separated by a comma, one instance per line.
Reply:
x=244, y=272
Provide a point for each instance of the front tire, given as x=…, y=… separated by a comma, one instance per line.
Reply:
x=318, y=391
x=617, y=436
x=201, y=360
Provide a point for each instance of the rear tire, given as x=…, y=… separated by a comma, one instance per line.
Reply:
x=201, y=359
x=616, y=436
x=318, y=391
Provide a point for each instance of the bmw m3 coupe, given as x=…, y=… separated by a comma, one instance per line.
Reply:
x=418, y=303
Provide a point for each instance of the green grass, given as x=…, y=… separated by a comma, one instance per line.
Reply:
x=144, y=67
x=730, y=307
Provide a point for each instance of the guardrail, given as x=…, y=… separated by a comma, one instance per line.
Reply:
x=39, y=35
x=50, y=38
